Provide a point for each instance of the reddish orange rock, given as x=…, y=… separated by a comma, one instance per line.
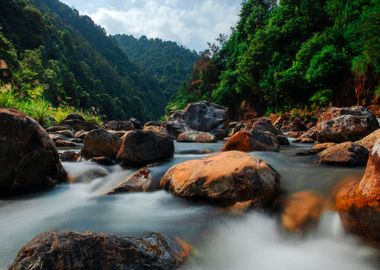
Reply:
x=358, y=203
x=225, y=178
x=252, y=141
x=241, y=141
x=302, y=211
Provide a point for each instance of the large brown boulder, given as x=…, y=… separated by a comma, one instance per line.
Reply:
x=29, y=160
x=200, y=116
x=225, y=178
x=358, y=203
x=100, y=143
x=72, y=250
x=252, y=141
x=344, y=154
x=302, y=211
x=196, y=136
x=346, y=124
x=140, y=147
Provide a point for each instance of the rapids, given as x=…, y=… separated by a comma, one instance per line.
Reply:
x=221, y=240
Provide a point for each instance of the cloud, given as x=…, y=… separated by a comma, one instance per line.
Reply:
x=191, y=23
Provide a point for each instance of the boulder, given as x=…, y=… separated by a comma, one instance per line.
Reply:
x=344, y=154
x=358, y=203
x=159, y=129
x=252, y=141
x=282, y=140
x=319, y=147
x=99, y=143
x=225, y=178
x=154, y=124
x=120, y=125
x=69, y=156
x=296, y=125
x=106, y=161
x=236, y=128
x=308, y=137
x=370, y=140
x=264, y=141
x=66, y=144
x=201, y=116
x=345, y=124
x=67, y=133
x=265, y=125
x=55, y=137
x=136, y=123
x=74, y=116
x=77, y=124
x=118, y=133
x=29, y=160
x=81, y=134
x=139, y=148
x=139, y=181
x=196, y=136
x=176, y=127
x=240, y=141
x=302, y=211
x=294, y=134
x=81, y=251
x=53, y=129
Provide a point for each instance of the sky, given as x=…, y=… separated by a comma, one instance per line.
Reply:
x=191, y=23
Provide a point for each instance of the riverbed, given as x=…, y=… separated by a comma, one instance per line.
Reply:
x=221, y=239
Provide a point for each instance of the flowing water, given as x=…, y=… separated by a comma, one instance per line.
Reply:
x=221, y=240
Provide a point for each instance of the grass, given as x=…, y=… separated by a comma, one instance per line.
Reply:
x=42, y=110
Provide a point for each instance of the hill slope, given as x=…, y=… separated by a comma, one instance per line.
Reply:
x=166, y=61
x=52, y=49
x=291, y=54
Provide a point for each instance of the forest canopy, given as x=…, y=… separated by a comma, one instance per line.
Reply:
x=292, y=53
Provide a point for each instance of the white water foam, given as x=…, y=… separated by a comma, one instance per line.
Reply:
x=256, y=243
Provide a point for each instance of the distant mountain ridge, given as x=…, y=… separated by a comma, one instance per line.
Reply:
x=171, y=64
x=49, y=45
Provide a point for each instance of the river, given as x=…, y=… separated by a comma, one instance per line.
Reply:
x=221, y=239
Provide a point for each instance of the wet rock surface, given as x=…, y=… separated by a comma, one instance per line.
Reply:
x=346, y=124
x=139, y=181
x=29, y=160
x=302, y=211
x=358, y=203
x=120, y=125
x=89, y=250
x=100, y=143
x=201, y=116
x=252, y=141
x=343, y=154
x=224, y=178
x=140, y=147
x=370, y=140
x=196, y=136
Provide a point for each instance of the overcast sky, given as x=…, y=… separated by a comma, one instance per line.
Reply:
x=192, y=23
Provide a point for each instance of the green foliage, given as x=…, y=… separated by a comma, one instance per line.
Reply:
x=42, y=110
x=56, y=54
x=169, y=63
x=285, y=54
x=322, y=97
